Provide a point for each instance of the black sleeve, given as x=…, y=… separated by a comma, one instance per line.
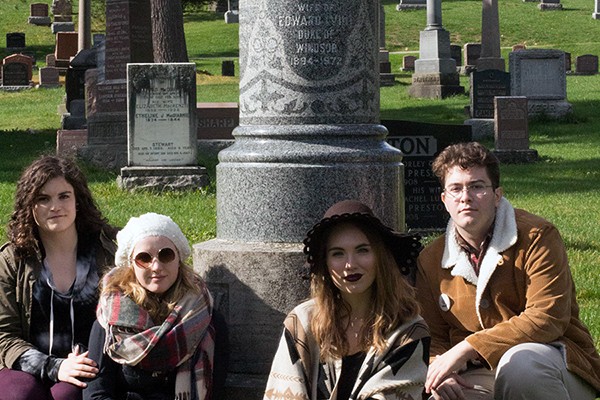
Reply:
x=221, y=360
x=105, y=385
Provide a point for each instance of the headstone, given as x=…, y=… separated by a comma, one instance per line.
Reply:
x=408, y=63
x=21, y=59
x=309, y=136
x=50, y=60
x=411, y=5
x=227, y=68
x=586, y=64
x=162, y=132
x=128, y=40
x=511, y=132
x=232, y=13
x=456, y=54
x=216, y=121
x=161, y=114
x=567, y=61
x=49, y=77
x=490, y=57
x=69, y=141
x=15, y=74
x=435, y=71
x=62, y=10
x=15, y=42
x=66, y=47
x=485, y=85
x=420, y=143
x=549, y=5
x=38, y=14
x=62, y=27
x=518, y=47
x=596, y=13
x=539, y=75
x=472, y=51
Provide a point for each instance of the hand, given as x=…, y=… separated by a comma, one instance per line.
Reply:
x=77, y=366
x=451, y=362
x=451, y=388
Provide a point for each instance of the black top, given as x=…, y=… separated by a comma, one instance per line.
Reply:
x=350, y=367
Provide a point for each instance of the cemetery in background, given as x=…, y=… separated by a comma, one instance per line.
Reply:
x=563, y=184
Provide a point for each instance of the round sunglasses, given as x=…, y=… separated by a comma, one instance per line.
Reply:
x=164, y=256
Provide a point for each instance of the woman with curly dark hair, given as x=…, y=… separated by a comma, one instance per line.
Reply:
x=59, y=245
x=360, y=335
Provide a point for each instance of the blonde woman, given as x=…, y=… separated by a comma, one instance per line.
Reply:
x=360, y=335
x=154, y=338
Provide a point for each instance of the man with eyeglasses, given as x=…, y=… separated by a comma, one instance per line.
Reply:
x=498, y=296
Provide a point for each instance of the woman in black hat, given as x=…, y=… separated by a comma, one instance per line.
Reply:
x=360, y=335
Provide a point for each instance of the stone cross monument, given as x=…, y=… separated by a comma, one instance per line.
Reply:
x=435, y=71
x=309, y=136
x=490, y=38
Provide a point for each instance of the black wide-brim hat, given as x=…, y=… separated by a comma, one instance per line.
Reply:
x=405, y=247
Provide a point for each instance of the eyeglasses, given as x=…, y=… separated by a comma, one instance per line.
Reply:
x=476, y=189
x=164, y=256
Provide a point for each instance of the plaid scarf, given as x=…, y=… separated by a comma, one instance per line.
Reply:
x=184, y=341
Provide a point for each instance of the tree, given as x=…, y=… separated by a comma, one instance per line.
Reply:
x=168, y=37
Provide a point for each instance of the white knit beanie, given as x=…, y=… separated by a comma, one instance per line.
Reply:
x=150, y=224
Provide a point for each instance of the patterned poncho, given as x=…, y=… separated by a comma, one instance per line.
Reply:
x=398, y=373
x=184, y=341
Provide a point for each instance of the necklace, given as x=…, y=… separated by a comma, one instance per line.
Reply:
x=356, y=326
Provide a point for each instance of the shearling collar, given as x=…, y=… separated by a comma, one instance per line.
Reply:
x=503, y=237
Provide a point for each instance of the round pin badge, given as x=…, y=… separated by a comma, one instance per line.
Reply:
x=445, y=302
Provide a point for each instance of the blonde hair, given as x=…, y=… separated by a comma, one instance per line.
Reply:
x=122, y=279
x=392, y=302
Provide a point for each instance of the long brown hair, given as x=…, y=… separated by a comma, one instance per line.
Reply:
x=23, y=231
x=392, y=301
x=122, y=279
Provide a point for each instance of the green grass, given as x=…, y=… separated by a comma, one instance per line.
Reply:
x=564, y=186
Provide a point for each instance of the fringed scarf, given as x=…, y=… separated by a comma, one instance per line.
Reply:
x=184, y=341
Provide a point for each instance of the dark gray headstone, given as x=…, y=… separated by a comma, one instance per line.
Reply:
x=456, y=54
x=420, y=143
x=408, y=63
x=15, y=74
x=228, y=68
x=15, y=40
x=586, y=64
x=485, y=85
x=472, y=51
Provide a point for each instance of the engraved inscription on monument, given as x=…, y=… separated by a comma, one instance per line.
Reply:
x=161, y=114
x=485, y=85
x=308, y=62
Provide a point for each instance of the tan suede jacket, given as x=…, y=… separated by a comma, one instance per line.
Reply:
x=16, y=292
x=524, y=293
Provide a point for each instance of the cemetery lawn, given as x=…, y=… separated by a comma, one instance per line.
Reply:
x=564, y=186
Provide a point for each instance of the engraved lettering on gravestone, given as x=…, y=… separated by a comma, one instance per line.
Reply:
x=485, y=85
x=161, y=127
x=311, y=62
x=314, y=36
x=511, y=123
